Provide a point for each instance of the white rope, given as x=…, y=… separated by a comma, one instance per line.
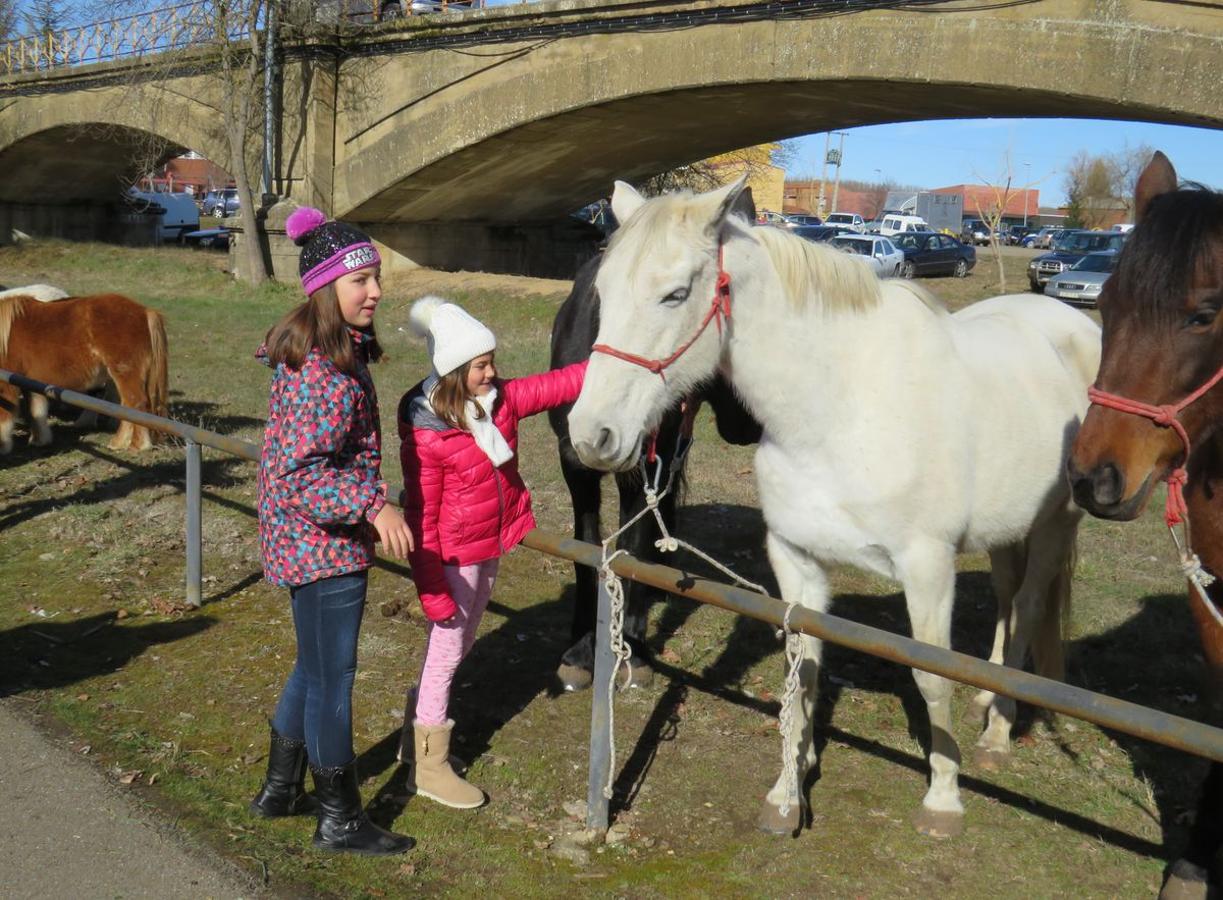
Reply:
x=785, y=721
x=668, y=543
x=1191, y=567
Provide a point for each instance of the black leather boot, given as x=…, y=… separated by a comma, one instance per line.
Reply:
x=342, y=823
x=284, y=788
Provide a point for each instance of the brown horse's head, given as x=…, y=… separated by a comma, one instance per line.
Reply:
x=1163, y=338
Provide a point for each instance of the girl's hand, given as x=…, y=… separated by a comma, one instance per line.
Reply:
x=394, y=532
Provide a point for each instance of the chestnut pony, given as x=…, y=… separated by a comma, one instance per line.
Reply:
x=1163, y=342
x=83, y=343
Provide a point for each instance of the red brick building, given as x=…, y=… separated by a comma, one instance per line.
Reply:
x=194, y=175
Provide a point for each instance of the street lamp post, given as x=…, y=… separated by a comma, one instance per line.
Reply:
x=1027, y=180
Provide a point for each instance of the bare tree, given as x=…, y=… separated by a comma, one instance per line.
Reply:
x=707, y=174
x=1002, y=191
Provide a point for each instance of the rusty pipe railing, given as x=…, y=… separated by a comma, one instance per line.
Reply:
x=1153, y=725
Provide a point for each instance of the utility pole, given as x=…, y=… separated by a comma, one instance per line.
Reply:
x=836, y=188
x=823, y=175
x=1027, y=181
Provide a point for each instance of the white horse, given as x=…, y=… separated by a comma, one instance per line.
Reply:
x=44, y=293
x=895, y=434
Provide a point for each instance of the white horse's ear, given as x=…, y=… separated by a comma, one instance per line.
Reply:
x=1157, y=178
x=718, y=204
x=625, y=201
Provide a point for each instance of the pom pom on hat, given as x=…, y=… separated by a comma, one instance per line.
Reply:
x=455, y=336
x=302, y=222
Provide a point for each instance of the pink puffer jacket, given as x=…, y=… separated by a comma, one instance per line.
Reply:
x=461, y=509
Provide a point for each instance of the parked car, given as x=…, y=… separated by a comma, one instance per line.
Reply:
x=796, y=220
x=877, y=252
x=899, y=224
x=975, y=232
x=928, y=253
x=1068, y=250
x=872, y=227
x=768, y=217
x=1080, y=285
x=212, y=238
x=819, y=233
x=177, y=213
x=1123, y=227
x=221, y=203
x=852, y=221
x=1016, y=233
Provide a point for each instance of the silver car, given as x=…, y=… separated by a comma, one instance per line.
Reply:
x=1081, y=284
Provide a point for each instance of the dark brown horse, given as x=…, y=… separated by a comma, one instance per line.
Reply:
x=83, y=343
x=1163, y=341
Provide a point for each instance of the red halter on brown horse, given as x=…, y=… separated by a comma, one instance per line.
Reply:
x=83, y=343
x=1156, y=409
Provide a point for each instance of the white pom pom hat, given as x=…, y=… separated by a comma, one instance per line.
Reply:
x=454, y=335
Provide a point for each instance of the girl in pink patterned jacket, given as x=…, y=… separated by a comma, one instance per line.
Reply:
x=321, y=500
x=467, y=505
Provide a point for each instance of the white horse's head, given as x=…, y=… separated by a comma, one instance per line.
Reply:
x=657, y=286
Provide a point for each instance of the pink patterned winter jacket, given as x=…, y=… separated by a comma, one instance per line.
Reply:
x=319, y=480
x=461, y=509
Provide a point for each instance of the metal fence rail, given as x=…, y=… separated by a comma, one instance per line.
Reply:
x=1153, y=725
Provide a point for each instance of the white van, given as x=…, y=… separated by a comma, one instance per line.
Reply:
x=852, y=221
x=898, y=224
x=179, y=214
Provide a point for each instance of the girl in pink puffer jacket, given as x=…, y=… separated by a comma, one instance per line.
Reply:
x=466, y=505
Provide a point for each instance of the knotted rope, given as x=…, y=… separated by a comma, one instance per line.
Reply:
x=668, y=543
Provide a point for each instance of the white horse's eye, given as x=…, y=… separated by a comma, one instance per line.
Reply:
x=676, y=297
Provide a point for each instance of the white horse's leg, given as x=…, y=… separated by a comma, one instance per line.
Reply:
x=1050, y=546
x=1006, y=572
x=40, y=431
x=802, y=581
x=928, y=572
x=6, y=433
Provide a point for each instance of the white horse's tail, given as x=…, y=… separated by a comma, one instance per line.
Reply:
x=1048, y=645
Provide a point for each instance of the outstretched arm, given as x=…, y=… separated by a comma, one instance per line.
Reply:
x=537, y=393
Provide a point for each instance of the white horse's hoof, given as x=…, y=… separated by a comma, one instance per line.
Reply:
x=1187, y=881
x=771, y=820
x=938, y=823
x=990, y=759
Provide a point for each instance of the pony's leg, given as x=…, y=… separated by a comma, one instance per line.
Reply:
x=1006, y=574
x=9, y=399
x=577, y=663
x=40, y=429
x=130, y=386
x=802, y=582
x=1039, y=603
x=928, y=573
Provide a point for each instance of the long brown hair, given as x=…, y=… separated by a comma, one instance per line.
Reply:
x=450, y=396
x=317, y=323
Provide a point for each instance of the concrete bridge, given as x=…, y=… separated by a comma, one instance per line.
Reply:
x=464, y=141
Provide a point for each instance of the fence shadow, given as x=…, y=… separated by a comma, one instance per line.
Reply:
x=52, y=654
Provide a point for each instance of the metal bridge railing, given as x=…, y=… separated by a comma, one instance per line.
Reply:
x=1153, y=725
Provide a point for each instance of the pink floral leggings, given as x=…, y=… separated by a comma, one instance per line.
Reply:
x=471, y=587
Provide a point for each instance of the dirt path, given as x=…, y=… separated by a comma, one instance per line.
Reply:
x=67, y=831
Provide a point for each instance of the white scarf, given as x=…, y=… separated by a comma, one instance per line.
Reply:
x=487, y=435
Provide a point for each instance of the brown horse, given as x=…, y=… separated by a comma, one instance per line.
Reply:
x=83, y=343
x=1163, y=347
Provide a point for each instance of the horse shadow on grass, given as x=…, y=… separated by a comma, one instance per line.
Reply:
x=47, y=655
x=1154, y=659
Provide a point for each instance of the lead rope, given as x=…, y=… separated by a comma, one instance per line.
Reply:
x=1191, y=567
x=668, y=543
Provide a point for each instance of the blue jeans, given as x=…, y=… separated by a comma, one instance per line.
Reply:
x=316, y=703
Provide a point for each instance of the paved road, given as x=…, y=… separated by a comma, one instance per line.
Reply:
x=66, y=831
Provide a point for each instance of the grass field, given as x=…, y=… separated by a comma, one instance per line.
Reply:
x=174, y=703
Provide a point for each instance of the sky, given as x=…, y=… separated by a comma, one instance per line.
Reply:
x=940, y=153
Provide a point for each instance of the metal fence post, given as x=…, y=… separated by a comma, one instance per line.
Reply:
x=194, y=538
x=600, y=720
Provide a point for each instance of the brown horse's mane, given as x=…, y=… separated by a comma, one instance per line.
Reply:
x=11, y=309
x=1176, y=239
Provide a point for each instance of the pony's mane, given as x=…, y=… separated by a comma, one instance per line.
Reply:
x=1167, y=248
x=813, y=273
x=11, y=309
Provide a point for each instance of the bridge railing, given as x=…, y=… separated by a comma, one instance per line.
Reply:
x=1108, y=712
x=198, y=23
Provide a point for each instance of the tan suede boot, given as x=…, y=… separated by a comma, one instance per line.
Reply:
x=432, y=776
